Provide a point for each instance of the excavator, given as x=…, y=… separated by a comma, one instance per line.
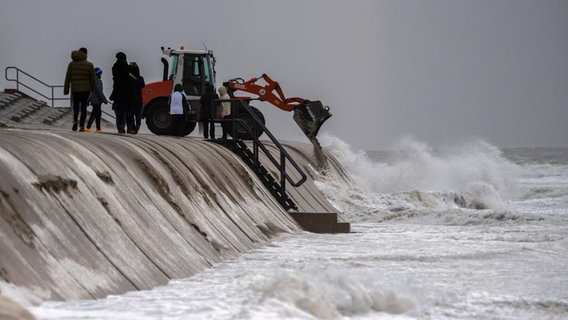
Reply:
x=195, y=70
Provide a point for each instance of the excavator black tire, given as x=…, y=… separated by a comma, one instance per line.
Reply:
x=251, y=123
x=159, y=120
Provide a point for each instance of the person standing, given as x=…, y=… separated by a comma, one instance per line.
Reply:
x=224, y=110
x=80, y=80
x=208, y=111
x=138, y=84
x=121, y=95
x=96, y=99
x=179, y=110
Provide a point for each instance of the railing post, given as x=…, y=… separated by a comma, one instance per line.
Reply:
x=255, y=152
x=18, y=79
x=282, y=170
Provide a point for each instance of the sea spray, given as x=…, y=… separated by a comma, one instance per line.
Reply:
x=320, y=158
x=332, y=294
x=413, y=175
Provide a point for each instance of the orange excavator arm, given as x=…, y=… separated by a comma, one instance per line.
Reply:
x=309, y=115
x=271, y=92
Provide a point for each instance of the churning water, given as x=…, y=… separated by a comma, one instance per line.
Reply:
x=462, y=232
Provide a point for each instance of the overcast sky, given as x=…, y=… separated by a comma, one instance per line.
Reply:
x=443, y=71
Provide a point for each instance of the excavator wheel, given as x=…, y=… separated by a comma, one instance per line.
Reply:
x=159, y=120
x=251, y=123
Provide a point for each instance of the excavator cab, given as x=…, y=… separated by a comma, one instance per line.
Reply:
x=194, y=70
x=197, y=73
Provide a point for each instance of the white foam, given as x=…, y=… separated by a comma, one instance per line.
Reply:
x=472, y=175
x=327, y=294
x=18, y=294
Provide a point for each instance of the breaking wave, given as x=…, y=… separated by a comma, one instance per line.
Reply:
x=330, y=295
x=415, y=181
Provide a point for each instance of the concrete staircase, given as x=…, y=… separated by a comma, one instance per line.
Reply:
x=17, y=109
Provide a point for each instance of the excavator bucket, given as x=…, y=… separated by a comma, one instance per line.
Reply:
x=310, y=116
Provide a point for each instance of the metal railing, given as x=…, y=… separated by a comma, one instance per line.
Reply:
x=53, y=97
x=19, y=78
x=257, y=144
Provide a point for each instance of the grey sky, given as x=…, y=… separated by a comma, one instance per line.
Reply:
x=441, y=70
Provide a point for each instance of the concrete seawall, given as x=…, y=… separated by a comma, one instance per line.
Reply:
x=86, y=215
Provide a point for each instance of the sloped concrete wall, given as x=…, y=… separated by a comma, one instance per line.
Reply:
x=85, y=215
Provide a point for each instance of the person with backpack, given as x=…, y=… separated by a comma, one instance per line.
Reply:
x=96, y=99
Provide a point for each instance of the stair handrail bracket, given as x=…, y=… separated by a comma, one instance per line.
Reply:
x=25, y=84
x=280, y=164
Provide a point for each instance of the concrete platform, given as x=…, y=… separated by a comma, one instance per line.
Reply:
x=320, y=222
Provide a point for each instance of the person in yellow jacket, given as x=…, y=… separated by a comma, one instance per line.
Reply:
x=80, y=79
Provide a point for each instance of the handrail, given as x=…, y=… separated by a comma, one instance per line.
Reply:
x=52, y=88
x=19, y=83
x=257, y=143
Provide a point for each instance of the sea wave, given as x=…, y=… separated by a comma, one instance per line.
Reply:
x=327, y=294
x=414, y=179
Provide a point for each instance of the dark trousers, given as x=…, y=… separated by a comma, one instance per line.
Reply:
x=95, y=116
x=209, y=128
x=179, y=123
x=124, y=114
x=226, y=126
x=80, y=101
x=138, y=114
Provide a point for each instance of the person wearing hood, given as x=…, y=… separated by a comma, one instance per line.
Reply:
x=224, y=110
x=96, y=99
x=80, y=80
x=122, y=91
x=137, y=85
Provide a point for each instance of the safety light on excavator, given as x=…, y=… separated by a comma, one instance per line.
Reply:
x=182, y=47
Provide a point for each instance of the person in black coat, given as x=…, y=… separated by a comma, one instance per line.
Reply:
x=122, y=91
x=138, y=84
x=208, y=111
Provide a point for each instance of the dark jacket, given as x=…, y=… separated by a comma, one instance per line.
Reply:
x=208, y=110
x=98, y=96
x=122, y=83
x=137, y=84
x=80, y=76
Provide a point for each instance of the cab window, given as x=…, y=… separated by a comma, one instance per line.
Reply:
x=192, y=76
